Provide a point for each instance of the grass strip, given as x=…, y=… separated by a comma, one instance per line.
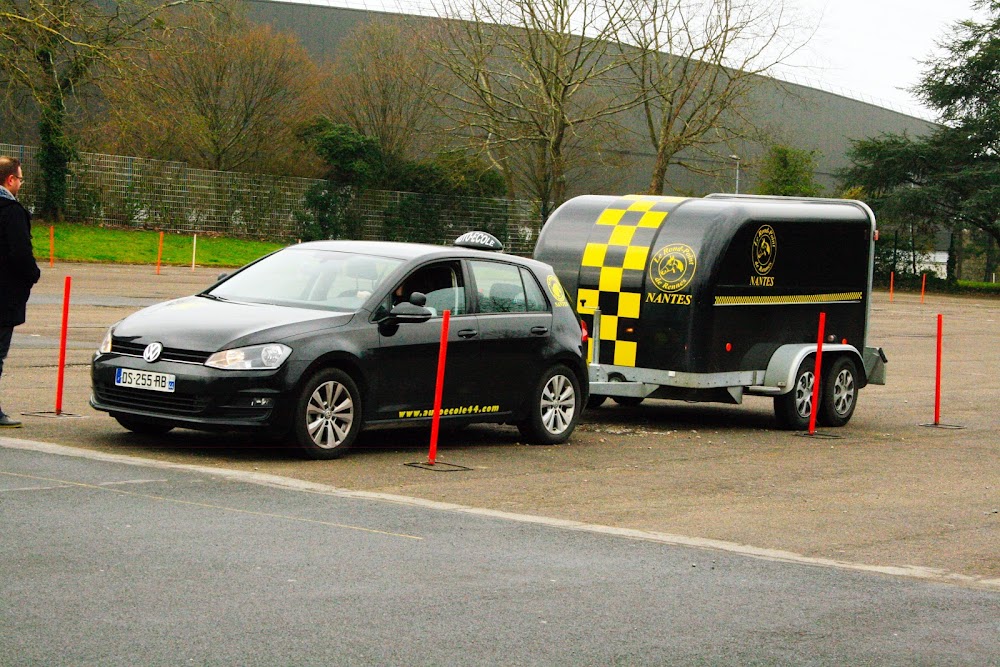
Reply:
x=76, y=242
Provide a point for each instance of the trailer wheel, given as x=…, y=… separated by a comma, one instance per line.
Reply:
x=595, y=401
x=554, y=408
x=840, y=393
x=627, y=401
x=794, y=408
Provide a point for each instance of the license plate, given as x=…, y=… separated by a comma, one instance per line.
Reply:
x=126, y=377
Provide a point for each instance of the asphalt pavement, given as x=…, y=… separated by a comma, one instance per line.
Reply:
x=112, y=560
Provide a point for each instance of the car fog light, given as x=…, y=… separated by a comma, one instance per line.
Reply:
x=260, y=402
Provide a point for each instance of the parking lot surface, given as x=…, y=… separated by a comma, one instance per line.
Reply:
x=113, y=562
x=887, y=491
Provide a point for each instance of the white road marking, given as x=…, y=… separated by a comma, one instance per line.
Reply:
x=36, y=488
x=133, y=481
x=775, y=555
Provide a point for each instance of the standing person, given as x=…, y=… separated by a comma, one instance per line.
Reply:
x=18, y=268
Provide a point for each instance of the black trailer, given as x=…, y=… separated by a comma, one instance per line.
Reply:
x=708, y=299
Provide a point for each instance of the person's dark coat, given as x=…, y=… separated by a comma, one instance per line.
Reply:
x=18, y=268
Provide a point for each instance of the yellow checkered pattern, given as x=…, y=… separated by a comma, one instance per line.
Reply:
x=613, y=269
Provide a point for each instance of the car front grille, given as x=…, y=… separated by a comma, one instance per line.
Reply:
x=169, y=353
x=154, y=401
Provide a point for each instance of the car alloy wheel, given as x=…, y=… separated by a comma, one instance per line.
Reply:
x=554, y=409
x=558, y=404
x=328, y=414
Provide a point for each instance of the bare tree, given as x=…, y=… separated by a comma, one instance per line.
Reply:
x=55, y=48
x=527, y=76
x=382, y=82
x=230, y=96
x=698, y=62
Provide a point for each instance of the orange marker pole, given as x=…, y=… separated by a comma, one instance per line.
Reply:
x=439, y=388
x=159, y=254
x=194, y=251
x=816, y=375
x=62, y=346
x=892, y=279
x=923, y=287
x=52, y=246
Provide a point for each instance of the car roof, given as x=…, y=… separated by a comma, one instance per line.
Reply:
x=409, y=251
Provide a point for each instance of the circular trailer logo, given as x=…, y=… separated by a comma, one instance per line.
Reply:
x=765, y=250
x=672, y=267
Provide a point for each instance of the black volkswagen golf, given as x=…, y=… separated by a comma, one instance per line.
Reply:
x=316, y=341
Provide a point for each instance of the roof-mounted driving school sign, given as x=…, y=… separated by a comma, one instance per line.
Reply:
x=479, y=240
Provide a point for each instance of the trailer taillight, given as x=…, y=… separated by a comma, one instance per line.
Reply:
x=584, y=336
x=729, y=347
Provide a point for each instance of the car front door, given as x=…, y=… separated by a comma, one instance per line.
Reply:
x=407, y=357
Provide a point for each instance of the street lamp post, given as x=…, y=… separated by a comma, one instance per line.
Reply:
x=736, y=158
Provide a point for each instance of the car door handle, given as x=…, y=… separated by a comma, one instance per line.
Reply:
x=539, y=331
x=467, y=333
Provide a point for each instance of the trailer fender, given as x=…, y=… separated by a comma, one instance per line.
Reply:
x=786, y=360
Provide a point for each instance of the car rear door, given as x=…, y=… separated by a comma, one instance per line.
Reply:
x=515, y=328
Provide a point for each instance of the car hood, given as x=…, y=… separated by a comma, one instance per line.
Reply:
x=199, y=323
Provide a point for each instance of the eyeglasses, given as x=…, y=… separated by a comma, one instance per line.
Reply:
x=20, y=178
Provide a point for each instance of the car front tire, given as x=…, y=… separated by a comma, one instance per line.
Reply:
x=554, y=408
x=327, y=415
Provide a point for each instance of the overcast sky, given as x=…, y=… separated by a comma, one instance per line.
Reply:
x=873, y=47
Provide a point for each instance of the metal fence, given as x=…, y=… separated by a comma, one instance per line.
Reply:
x=139, y=193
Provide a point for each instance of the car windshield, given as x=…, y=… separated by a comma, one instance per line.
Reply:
x=308, y=278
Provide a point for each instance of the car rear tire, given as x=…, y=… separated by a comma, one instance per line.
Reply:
x=554, y=408
x=327, y=415
x=794, y=409
x=840, y=393
x=143, y=426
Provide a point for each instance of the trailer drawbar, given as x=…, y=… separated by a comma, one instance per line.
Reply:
x=708, y=299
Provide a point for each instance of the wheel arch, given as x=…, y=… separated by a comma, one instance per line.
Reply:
x=342, y=360
x=786, y=360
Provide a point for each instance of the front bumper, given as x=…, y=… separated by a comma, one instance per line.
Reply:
x=204, y=397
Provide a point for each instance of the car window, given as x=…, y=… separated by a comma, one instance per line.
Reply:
x=442, y=283
x=536, y=300
x=500, y=287
x=309, y=278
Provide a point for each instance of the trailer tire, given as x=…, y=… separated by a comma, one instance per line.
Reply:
x=628, y=401
x=794, y=408
x=839, y=393
x=595, y=401
x=554, y=408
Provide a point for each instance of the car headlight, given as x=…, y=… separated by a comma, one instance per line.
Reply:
x=105, y=347
x=255, y=357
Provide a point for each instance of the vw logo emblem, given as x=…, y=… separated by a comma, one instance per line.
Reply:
x=152, y=352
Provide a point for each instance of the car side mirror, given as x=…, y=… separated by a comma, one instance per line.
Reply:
x=221, y=276
x=410, y=312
